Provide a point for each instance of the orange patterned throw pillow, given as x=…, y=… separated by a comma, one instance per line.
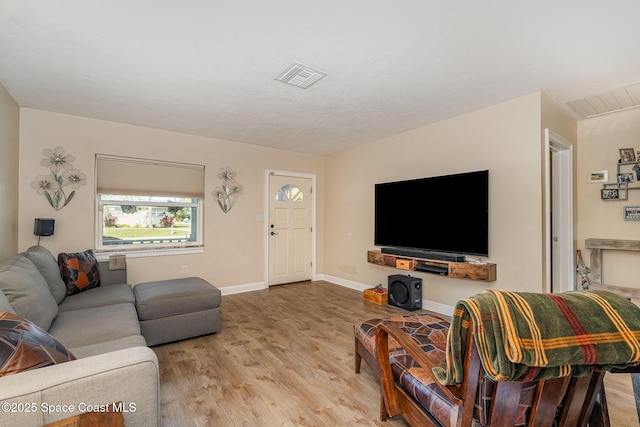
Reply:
x=79, y=271
x=25, y=346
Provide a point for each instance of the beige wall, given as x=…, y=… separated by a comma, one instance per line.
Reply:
x=9, y=129
x=505, y=138
x=599, y=140
x=233, y=242
x=557, y=119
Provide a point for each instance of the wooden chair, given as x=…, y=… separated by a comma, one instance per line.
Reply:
x=413, y=391
x=430, y=329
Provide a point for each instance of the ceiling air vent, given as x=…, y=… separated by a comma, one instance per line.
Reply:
x=611, y=102
x=300, y=75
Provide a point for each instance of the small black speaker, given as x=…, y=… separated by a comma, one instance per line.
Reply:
x=405, y=292
x=44, y=226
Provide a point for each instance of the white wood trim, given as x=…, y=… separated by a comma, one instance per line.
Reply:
x=239, y=289
x=104, y=256
x=556, y=143
x=345, y=283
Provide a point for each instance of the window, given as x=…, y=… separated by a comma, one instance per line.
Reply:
x=147, y=205
x=143, y=221
x=290, y=193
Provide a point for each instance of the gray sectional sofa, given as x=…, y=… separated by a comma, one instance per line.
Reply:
x=98, y=326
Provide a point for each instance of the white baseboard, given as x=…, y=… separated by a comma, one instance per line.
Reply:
x=238, y=289
x=436, y=307
x=343, y=282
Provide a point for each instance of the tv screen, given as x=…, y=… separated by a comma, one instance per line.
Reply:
x=443, y=213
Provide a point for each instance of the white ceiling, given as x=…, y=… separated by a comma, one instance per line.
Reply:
x=208, y=67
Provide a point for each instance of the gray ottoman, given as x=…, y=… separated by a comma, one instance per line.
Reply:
x=172, y=310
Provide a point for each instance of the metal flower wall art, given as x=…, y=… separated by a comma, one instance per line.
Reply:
x=61, y=174
x=230, y=190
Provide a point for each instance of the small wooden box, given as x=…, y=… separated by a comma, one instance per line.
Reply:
x=404, y=264
x=375, y=258
x=372, y=296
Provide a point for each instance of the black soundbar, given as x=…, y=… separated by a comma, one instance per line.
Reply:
x=443, y=271
x=421, y=253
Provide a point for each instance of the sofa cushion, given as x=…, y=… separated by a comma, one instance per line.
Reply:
x=27, y=291
x=25, y=346
x=109, y=346
x=78, y=328
x=79, y=271
x=111, y=277
x=164, y=298
x=98, y=297
x=47, y=265
x=4, y=304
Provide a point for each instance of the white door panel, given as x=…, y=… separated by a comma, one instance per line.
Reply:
x=560, y=249
x=289, y=229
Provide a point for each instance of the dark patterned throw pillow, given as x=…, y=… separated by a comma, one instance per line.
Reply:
x=25, y=346
x=79, y=271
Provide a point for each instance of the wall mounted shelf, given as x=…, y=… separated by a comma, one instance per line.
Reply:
x=453, y=270
x=598, y=246
x=624, y=187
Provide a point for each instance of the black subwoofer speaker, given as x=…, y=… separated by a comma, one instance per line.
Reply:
x=405, y=292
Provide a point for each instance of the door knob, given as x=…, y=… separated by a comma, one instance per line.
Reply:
x=273, y=233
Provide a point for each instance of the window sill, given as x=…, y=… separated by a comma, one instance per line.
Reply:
x=103, y=255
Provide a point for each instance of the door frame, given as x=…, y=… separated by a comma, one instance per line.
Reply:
x=562, y=151
x=265, y=231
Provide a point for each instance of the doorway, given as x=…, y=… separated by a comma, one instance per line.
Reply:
x=290, y=227
x=560, y=264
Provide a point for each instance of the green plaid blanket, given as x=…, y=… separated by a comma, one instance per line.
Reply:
x=531, y=336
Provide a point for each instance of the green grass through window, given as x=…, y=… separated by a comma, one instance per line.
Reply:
x=138, y=233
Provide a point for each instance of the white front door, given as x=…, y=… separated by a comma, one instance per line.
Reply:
x=289, y=229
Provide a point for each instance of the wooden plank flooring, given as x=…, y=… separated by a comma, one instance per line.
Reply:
x=284, y=357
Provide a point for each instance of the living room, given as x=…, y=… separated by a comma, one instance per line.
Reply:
x=506, y=137
x=345, y=183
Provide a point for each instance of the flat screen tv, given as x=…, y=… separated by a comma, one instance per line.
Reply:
x=443, y=213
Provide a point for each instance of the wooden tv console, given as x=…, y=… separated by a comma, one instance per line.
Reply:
x=453, y=270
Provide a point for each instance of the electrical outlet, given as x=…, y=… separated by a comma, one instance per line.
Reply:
x=183, y=269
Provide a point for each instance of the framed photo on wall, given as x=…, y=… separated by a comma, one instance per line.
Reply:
x=615, y=191
x=627, y=155
x=632, y=213
x=598, y=177
x=625, y=177
x=609, y=194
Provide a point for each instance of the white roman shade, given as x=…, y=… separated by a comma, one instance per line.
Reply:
x=143, y=177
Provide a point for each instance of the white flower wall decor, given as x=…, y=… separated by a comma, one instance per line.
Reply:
x=229, y=191
x=61, y=174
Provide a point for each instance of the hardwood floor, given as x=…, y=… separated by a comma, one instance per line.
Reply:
x=284, y=357
x=620, y=399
